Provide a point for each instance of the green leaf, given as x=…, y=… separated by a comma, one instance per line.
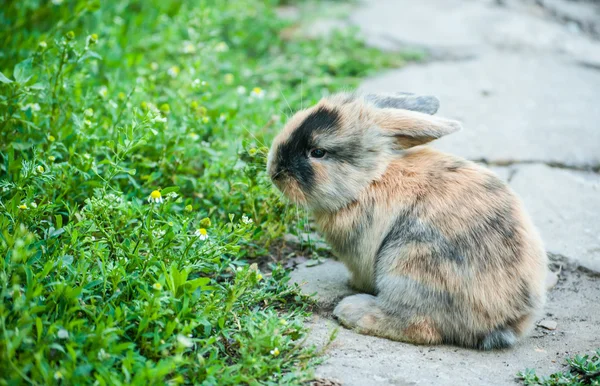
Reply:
x=22, y=71
x=4, y=79
x=170, y=189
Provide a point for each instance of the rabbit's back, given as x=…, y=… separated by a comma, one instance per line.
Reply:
x=447, y=238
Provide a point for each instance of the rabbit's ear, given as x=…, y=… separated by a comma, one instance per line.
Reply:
x=411, y=128
x=402, y=100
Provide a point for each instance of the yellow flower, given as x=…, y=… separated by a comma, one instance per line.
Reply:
x=155, y=197
x=205, y=119
x=70, y=35
x=122, y=96
x=252, y=151
x=51, y=138
x=201, y=233
x=23, y=206
x=188, y=208
x=157, y=286
x=228, y=78
x=173, y=71
x=51, y=158
x=194, y=105
x=40, y=169
x=275, y=352
x=94, y=38
x=165, y=108
x=257, y=93
x=259, y=277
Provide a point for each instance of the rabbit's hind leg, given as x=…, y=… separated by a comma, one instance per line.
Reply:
x=364, y=314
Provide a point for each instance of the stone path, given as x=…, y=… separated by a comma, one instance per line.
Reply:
x=525, y=82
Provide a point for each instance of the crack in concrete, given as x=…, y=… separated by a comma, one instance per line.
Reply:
x=552, y=164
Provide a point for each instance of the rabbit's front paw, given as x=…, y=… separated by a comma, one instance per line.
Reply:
x=358, y=312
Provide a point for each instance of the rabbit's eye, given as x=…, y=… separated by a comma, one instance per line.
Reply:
x=317, y=153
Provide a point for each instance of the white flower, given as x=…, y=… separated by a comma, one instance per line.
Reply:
x=155, y=197
x=241, y=90
x=32, y=106
x=221, y=47
x=58, y=375
x=246, y=220
x=157, y=286
x=173, y=71
x=188, y=48
x=201, y=233
x=275, y=352
x=160, y=119
x=185, y=341
x=257, y=93
x=172, y=195
x=33, y=205
x=62, y=333
x=222, y=117
x=103, y=91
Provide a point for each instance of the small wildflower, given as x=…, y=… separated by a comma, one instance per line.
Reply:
x=33, y=205
x=252, y=151
x=118, y=20
x=173, y=71
x=87, y=155
x=102, y=355
x=154, y=66
x=88, y=112
x=57, y=375
x=165, y=108
x=205, y=119
x=32, y=106
x=185, y=341
x=275, y=352
x=205, y=223
x=201, y=233
x=70, y=35
x=221, y=47
x=93, y=38
x=40, y=169
x=155, y=197
x=103, y=91
x=194, y=105
x=23, y=207
x=246, y=220
x=43, y=45
x=170, y=223
x=51, y=158
x=257, y=93
x=172, y=195
x=283, y=322
x=122, y=96
x=62, y=333
x=157, y=286
x=222, y=117
x=51, y=138
x=159, y=119
x=87, y=122
x=259, y=277
x=194, y=136
x=188, y=48
x=228, y=78
x=241, y=90
x=188, y=208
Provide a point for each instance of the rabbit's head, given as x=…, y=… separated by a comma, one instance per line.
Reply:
x=327, y=154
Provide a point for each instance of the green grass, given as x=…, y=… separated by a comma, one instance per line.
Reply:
x=582, y=370
x=102, y=103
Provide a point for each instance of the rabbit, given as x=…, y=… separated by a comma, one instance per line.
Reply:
x=440, y=249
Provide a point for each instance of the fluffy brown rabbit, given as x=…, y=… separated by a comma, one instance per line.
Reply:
x=440, y=247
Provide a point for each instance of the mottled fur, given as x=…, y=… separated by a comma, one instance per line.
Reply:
x=441, y=248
